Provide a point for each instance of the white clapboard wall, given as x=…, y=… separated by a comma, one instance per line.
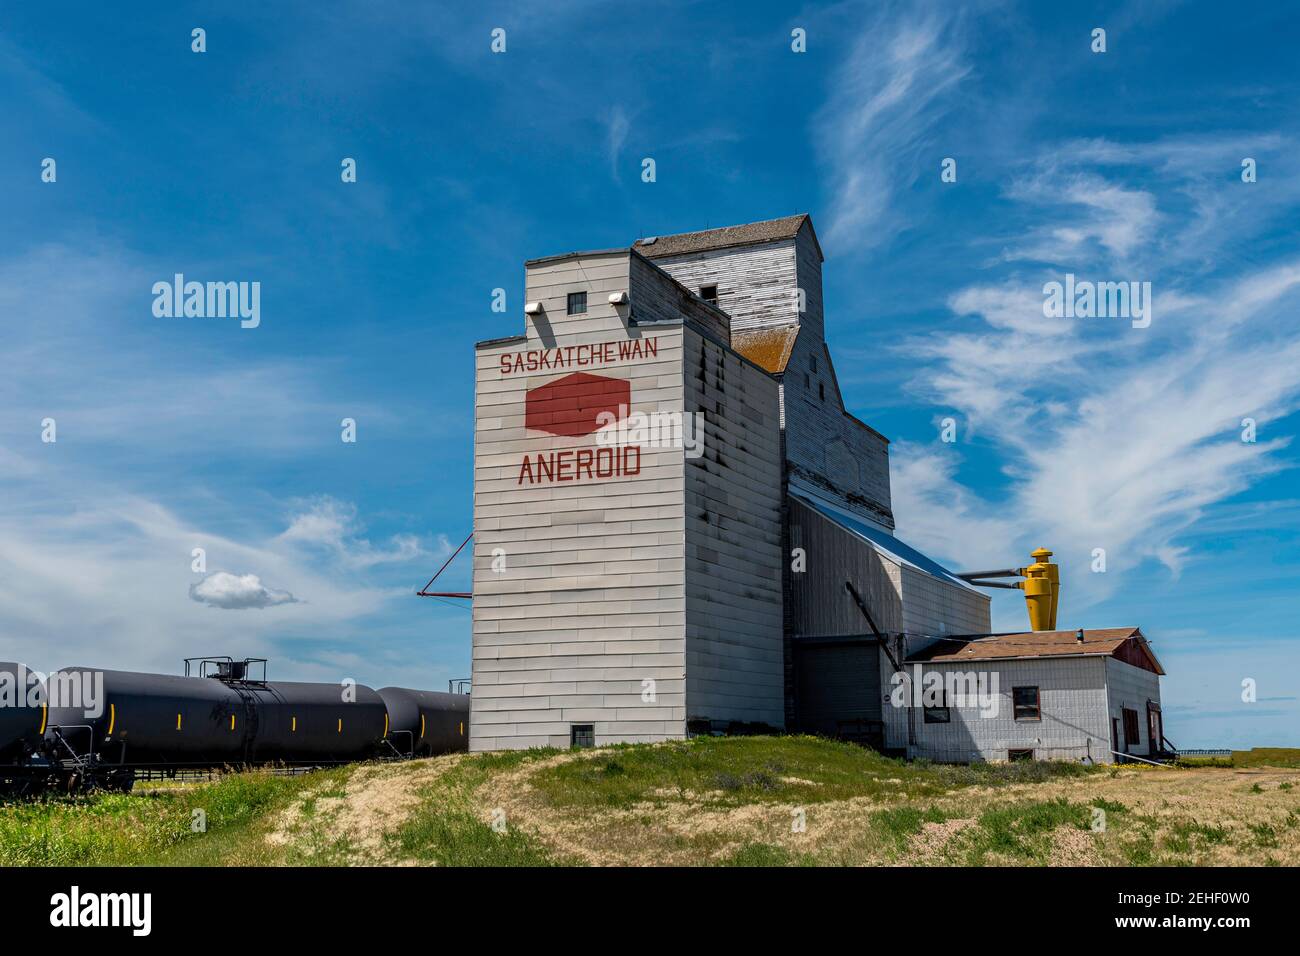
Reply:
x=582, y=598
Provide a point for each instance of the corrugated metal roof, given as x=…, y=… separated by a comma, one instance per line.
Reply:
x=748, y=234
x=769, y=348
x=991, y=647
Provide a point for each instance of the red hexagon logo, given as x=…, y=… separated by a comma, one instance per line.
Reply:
x=571, y=406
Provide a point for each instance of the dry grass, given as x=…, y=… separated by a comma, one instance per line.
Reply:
x=347, y=824
x=744, y=801
x=1151, y=816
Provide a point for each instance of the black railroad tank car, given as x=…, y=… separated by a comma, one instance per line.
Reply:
x=304, y=722
x=149, y=719
x=22, y=711
x=107, y=728
x=163, y=720
x=426, y=722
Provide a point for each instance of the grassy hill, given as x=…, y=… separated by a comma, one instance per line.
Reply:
x=714, y=801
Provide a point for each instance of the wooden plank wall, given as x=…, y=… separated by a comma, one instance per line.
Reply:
x=756, y=284
x=734, y=661
x=592, y=601
x=821, y=438
x=818, y=603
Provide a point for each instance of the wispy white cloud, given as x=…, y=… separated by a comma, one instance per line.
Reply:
x=332, y=526
x=1117, y=219
x=616, y=127
x=894, y=87
x=1110, y=437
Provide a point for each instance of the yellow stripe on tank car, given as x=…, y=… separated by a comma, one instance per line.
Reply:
x=422, y=726
x=112, y=718
x=232, y=721
x=340, y=725
x=462, y=728
x=385, y=725
x=293, y=728
x=178, y=721
x=45, y=715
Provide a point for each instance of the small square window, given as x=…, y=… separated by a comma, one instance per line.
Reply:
x=709, y=293
x=938, y=714
x=1025, y=703
x=577, y=303
x=582, y=735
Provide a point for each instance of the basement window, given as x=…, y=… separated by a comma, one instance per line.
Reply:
x=1025, y=703
x=582, y=735
x=1014, y=755
x=709, y=293
x=939, y=714
x=577, y=303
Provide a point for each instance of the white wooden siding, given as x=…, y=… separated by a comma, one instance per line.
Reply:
x=1131, y=687
x=734, y=663
x=1072, y=701
x=592, y=601
x=757, y=285
x=595, y=599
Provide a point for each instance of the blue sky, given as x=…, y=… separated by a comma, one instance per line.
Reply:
x=1075, y=433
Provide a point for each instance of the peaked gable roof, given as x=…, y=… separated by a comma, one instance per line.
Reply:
x=748, y=234
x=1124, y=643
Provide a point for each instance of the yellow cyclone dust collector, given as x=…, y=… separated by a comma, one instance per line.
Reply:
x=1041, y=584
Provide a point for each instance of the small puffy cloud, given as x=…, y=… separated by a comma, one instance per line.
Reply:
x=237, y=591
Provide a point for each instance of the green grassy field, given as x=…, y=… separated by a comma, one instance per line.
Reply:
x=755, y=801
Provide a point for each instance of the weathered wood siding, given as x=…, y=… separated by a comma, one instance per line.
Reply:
x=900, y=597
x=933, y=606
x=657, y=297
x=819, y=603
x=808, y=277
x=828, y=449
x=592, y=601
x=757, y=285
x=584, y=611
x=734, y=661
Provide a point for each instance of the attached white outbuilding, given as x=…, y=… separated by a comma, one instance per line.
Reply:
x=1038, y=695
